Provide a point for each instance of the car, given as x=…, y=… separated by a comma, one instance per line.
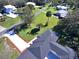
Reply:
x=10, y=32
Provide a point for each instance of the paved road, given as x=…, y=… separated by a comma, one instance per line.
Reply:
x=42, y=10
x=2, y=28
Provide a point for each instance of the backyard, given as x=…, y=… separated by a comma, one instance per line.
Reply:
x=39, y=19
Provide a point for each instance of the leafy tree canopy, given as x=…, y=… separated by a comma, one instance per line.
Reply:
x=68, y=30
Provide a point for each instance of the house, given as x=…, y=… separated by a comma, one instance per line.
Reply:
x=45, y=47
x=61, y=14
x=32, y=3
x=59, y=7
x=9, y=9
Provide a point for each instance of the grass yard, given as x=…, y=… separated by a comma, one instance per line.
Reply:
x=35, y=10
x=6, y=53
x=14, y=55
x=9, y=21
x=41, y=18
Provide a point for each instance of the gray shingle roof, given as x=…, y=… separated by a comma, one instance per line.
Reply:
x=36, y=52
x=26, y=55
x=48, y=35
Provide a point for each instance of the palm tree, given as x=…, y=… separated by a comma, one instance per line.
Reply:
x=48, y=14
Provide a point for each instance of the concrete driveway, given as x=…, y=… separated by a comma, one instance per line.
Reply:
x=18, y=42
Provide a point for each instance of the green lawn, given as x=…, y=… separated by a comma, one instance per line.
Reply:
x=35, y=10
x=9, y=21
x=41, y=18
x=14, y=55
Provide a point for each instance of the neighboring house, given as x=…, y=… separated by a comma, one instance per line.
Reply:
x=59, y=7
x=61, y=14
x=32, y=3
x=62, y=11
x=46, y=47
x=9, y=9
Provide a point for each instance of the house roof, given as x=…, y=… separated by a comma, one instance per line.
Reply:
x=26, y=55
x=10, y=6
x=62, y=7
x=48, y=35
x=36, y=52
x=62, y=13
x=30, y=3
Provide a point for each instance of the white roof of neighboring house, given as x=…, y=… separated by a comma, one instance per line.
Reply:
x=63, y=13
x=10, y=6
x=31, y=3
x=62, y=7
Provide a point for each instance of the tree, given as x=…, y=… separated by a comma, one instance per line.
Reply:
x=72, y=3
x=68, y=31
x=48, y=14
x=19, y=3
x=32, y=7
x=26, y=15
x=56, y=2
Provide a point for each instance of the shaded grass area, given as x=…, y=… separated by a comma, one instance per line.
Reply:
x=9, y=21
x=1, y=45
x=35, y=10
x=40, y=19
x=5, y=53
x=14, y=55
